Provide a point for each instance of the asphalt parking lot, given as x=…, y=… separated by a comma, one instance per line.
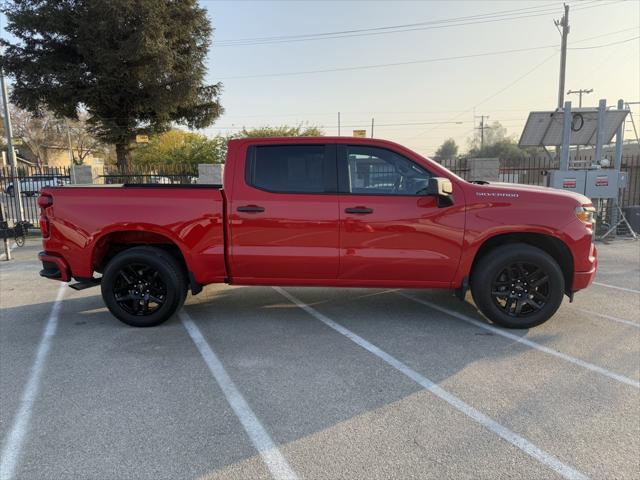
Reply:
x=251, y=383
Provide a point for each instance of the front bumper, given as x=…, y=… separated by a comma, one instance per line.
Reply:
x=54, y=267
x=583, y=279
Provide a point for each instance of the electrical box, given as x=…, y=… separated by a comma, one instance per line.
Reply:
x=570, y=180
x=602, y=183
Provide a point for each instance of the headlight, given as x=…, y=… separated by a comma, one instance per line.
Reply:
x=586, y=214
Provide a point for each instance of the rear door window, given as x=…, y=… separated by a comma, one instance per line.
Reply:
x=292, y=168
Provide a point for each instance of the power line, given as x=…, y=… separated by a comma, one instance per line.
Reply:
x=608, y=34
x=461, y=112
x=384, y=65
x=604, y=45
x=580, y=92
x=405, y=124
x=493, y=95
x=323, y=35
x=413, y=62
x=451, y=19
x=434, y=24
x=354, y=125
x=369, y=112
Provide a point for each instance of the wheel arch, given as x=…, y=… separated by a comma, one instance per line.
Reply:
x=549, y=244
x=110, y=244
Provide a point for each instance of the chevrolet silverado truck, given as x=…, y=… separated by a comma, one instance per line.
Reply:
x=322, y=211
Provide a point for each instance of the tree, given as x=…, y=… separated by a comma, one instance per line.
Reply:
x=493, y=133
x=497, y=144
x=38, y=133
x=180, y=147
x=83, y=142
x=35, y=132
x=281, y=131
x=447, y=151
x=135, y=66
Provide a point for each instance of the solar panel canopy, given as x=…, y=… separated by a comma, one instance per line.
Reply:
x=545, y=128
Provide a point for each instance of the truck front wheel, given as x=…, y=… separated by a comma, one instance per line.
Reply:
x=143, y=286
x=517, y=286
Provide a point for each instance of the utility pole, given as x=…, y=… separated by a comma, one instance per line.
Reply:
x=66, y=122
x=11, y=154
x=481, y=128
x=372, y=128
x=338, y=123
x=579, y=92
x=564, y=23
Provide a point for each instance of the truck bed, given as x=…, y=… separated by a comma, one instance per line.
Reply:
x=86, y=217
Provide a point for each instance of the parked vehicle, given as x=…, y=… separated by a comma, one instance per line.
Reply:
x=339, y=212
x=30, y=186
x=159, y=179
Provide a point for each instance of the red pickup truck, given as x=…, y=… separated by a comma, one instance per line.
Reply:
x=322, y=211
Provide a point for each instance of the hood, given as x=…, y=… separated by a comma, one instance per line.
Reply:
x=506, y=188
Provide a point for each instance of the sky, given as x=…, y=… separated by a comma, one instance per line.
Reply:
x=506, y=64
x=504, y=86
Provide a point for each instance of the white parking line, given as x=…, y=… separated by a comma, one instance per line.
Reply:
x=15, y=438
x=609, y=317
x=616, y=287
x=490, y=424
x=527, y=342
x=264, y=444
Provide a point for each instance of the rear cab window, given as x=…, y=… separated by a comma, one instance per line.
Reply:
x=306, y=169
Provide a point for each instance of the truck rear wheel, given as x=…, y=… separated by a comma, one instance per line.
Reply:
x=143, y=286
x=517, y=286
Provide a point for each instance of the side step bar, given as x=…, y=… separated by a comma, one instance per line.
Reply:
x=83, y=284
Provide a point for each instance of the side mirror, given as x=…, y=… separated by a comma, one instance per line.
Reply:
x=439, y=186
x=442, y=188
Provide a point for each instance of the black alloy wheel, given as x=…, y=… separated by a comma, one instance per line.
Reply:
x=144, y=286
x=520, y=289
x=139, y=289
x=517, y=285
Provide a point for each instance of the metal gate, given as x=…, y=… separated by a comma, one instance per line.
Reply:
x=31, y=179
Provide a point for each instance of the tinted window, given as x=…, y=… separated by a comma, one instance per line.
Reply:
x=377, y=171
x=291, y=169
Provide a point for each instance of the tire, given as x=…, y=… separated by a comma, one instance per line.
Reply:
x=517, y=286
x=143, y=286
